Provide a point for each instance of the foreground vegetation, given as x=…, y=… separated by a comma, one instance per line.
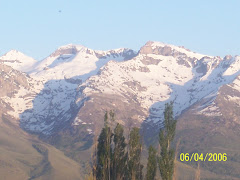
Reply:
x=116, y=158
x=24, y=156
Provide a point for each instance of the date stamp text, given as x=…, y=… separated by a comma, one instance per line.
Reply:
x=203, y=157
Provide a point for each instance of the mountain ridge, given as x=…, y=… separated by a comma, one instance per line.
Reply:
x=73, y=67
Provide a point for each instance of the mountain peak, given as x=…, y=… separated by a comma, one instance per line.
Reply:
x=13, y=52
x=68, y=49
x=69, y=46
x=13, y=55
x=159, y=48
x=228, y=57
x=17, y=60
x=162, y=44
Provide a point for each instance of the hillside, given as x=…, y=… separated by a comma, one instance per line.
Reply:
x=24, y=156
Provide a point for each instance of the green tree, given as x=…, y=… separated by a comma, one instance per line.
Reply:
x=104, y=151
x=135, y=148
x=166, y=136
x=152, y=163
x=119, y=161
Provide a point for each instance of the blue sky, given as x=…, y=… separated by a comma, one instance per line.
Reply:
x=37, y=28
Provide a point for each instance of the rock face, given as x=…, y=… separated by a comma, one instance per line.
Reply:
x=11, y=82
x=68, y=49
x=163, y=49
x=227, y=57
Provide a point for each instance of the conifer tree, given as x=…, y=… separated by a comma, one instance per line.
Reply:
x=166, y=135
x=135, y=148
x=152, y=164
x=119, y=161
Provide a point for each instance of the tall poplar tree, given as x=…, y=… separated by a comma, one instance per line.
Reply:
x=104, y=152
x=166, y=136
x=152, y=163
x=119, y=159
x=135, y=149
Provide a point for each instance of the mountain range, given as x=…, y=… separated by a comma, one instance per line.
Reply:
x=62, y=99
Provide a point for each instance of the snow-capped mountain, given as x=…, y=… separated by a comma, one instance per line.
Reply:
x=160, y=73
x=77, y=62
x=54, y=85
x=18, y=60
x=75, y=85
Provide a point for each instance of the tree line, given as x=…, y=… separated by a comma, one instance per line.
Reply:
x=117, y=159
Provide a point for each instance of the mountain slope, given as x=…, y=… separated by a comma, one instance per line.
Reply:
x=213, y=126
x=23, y=156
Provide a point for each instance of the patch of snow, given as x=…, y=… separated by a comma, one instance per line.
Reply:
x=90, y=131
x=76, y=121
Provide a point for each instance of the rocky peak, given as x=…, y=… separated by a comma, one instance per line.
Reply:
x=147, y=48
x=227, y=57
x=67, y=49
x=115, y=53
x=163, y=49
x=160, y=49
